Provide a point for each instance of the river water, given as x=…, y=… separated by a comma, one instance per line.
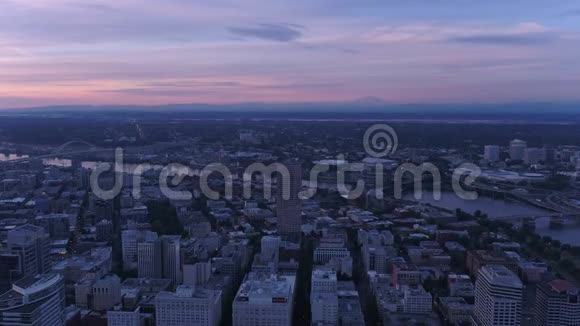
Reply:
x=498, y=207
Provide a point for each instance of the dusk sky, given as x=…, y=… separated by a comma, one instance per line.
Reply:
x=225, y=51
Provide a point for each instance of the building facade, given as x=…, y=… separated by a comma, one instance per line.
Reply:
x=498, y=297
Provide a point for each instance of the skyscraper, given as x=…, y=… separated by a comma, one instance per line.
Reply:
x=170, y=251
x=37, y=300
x=557, y=304
x=130, y=239
x=270, y=248
x=149, y=259
x=289, y=210
x=498, y=297
x=32, y=244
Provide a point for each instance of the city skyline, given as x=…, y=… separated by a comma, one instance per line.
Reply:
x=217, y=52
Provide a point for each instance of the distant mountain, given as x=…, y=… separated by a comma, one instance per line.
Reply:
x=363, y=108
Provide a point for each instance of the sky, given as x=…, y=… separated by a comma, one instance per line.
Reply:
x=151, y=52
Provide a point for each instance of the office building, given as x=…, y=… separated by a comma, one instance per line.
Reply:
x=557, y=304
x=129, y=239
x=104, y=231
x=517, y=149
x=188, y=306
x=349, y=308
x=149, y=259
x=37, y=300
x=416, y=300
x=534, y=155
x=491, y=153
x=498, y=297
x=324, y=297
x=32, y=245
x=170, y=251
x=270, y=249
x=289, y=207
x=56, y=225
x=264, y=300
x=106, y=292
x=9, y=271
x=124, y=317
x=328, y=249
x=197, y=273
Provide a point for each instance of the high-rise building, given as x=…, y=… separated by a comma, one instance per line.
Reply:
x=549, y=154
x=557, y=304
x=498, y=297
x=37, y=300
x=270, y=249
x=197, y=273
x=188, y=306
x=289, y=209
x=324, y=297
x=9, y=271
x=170, y=251
x=129, y=239
x=264, y=299
x=149, y=259
x=83, y=178
x=104, y=230
x=32, y=244
x=491, y=153
x=517, y=149
x=56, y=225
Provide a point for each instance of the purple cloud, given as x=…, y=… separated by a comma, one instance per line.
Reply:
x=502, y=39
x=270, y=32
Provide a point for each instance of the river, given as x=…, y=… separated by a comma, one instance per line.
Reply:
x=498, y=207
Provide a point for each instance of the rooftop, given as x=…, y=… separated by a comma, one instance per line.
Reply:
x=261, y=286
x=561, y=286
x=500, y=275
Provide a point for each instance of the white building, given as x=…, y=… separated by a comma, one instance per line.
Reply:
x=35, y=300
x=498, y=297
x=416, y=300
x=264, y=300
x=491, y=153
x=517, y=149
x=324, y=297
x=188, y=306
x=557, y=304
x=328, y=249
